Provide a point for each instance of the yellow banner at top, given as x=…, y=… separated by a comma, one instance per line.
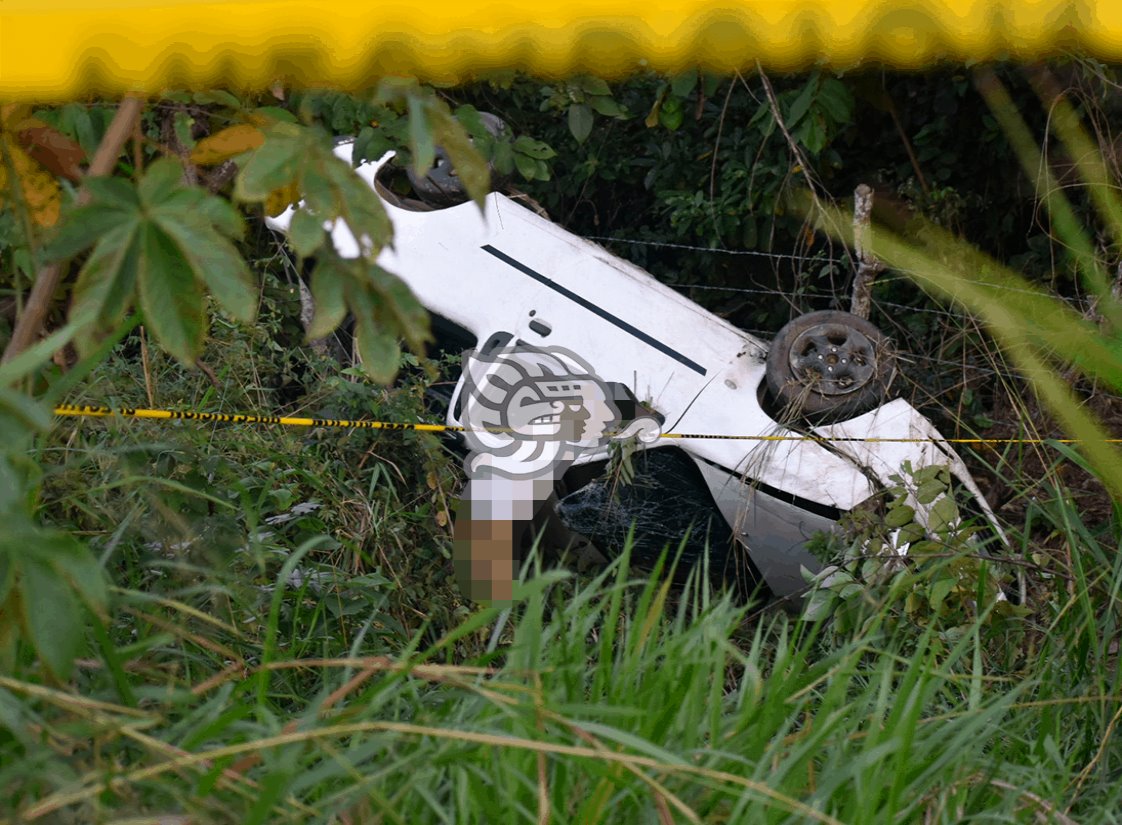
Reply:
x=65, y=49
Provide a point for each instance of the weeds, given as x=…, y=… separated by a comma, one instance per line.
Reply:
x=285, y=645
x=609, y=703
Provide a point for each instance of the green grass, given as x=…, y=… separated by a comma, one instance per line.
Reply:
x=284, y=644
x=608, y=700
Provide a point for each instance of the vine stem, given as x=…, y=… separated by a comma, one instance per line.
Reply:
x=792, y=144
x=34, y=315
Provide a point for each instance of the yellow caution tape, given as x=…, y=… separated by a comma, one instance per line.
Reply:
x=71, y=49
x=239, y=418
x=364, y=424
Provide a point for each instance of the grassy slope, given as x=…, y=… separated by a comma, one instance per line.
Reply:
x=286, y=645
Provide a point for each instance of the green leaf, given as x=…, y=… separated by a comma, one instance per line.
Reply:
x=274, y=164
x=938, y=592
x=470, y=166
x=580, y=121
x=944, y=514
x=365, y=145
x=75, y=120
x=196, y=222
x=852, y=590
x=85, y=226
x=220, y=214
x=399, y=307
x=594, y=85
x=219, y=96
x=671, y=114
x=161, y=180
x=328, y=282
x=51, y=615
x=319, y=191
x=820, y=604
x=683, y=84
x=651, y=119
x=802, y=103
x=812, y=134
x=835, y=100
x=909, y=533
x=275, y=114
x=710, y=83
x=170, y=295
x=421, y=136
x=113, y=193
x=931, y=472
x=930, y=490
x=384, y=310
x=306, y=233
x=921, y=549
x=104, y=286
x=763, y=119
x=526, y=165
x=330, y=188
x=216, y=262
x=899, y=515
x=378, y=348
x=73, y=563
x=469, y=118
x=356, y=203
x=183, y=124
x=606, y=106
x=535, y=149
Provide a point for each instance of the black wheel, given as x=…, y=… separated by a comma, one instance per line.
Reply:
x=829, y=365
x=441, y=186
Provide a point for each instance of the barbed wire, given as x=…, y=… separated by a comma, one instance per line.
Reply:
x=756, y=253
x=816, y=258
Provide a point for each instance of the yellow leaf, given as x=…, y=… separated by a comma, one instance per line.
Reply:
x=221, y=146
x=38, y=188
x=12, y=114
x=441, y=518
x=280, y=199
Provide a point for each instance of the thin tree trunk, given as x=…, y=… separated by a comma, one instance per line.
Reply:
x=867, y=264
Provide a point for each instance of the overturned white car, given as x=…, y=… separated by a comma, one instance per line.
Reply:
x=762, y=446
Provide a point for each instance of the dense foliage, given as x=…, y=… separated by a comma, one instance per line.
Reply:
x=211, y=624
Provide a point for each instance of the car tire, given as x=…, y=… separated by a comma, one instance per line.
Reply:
x=829, y=366
x=441, y=187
